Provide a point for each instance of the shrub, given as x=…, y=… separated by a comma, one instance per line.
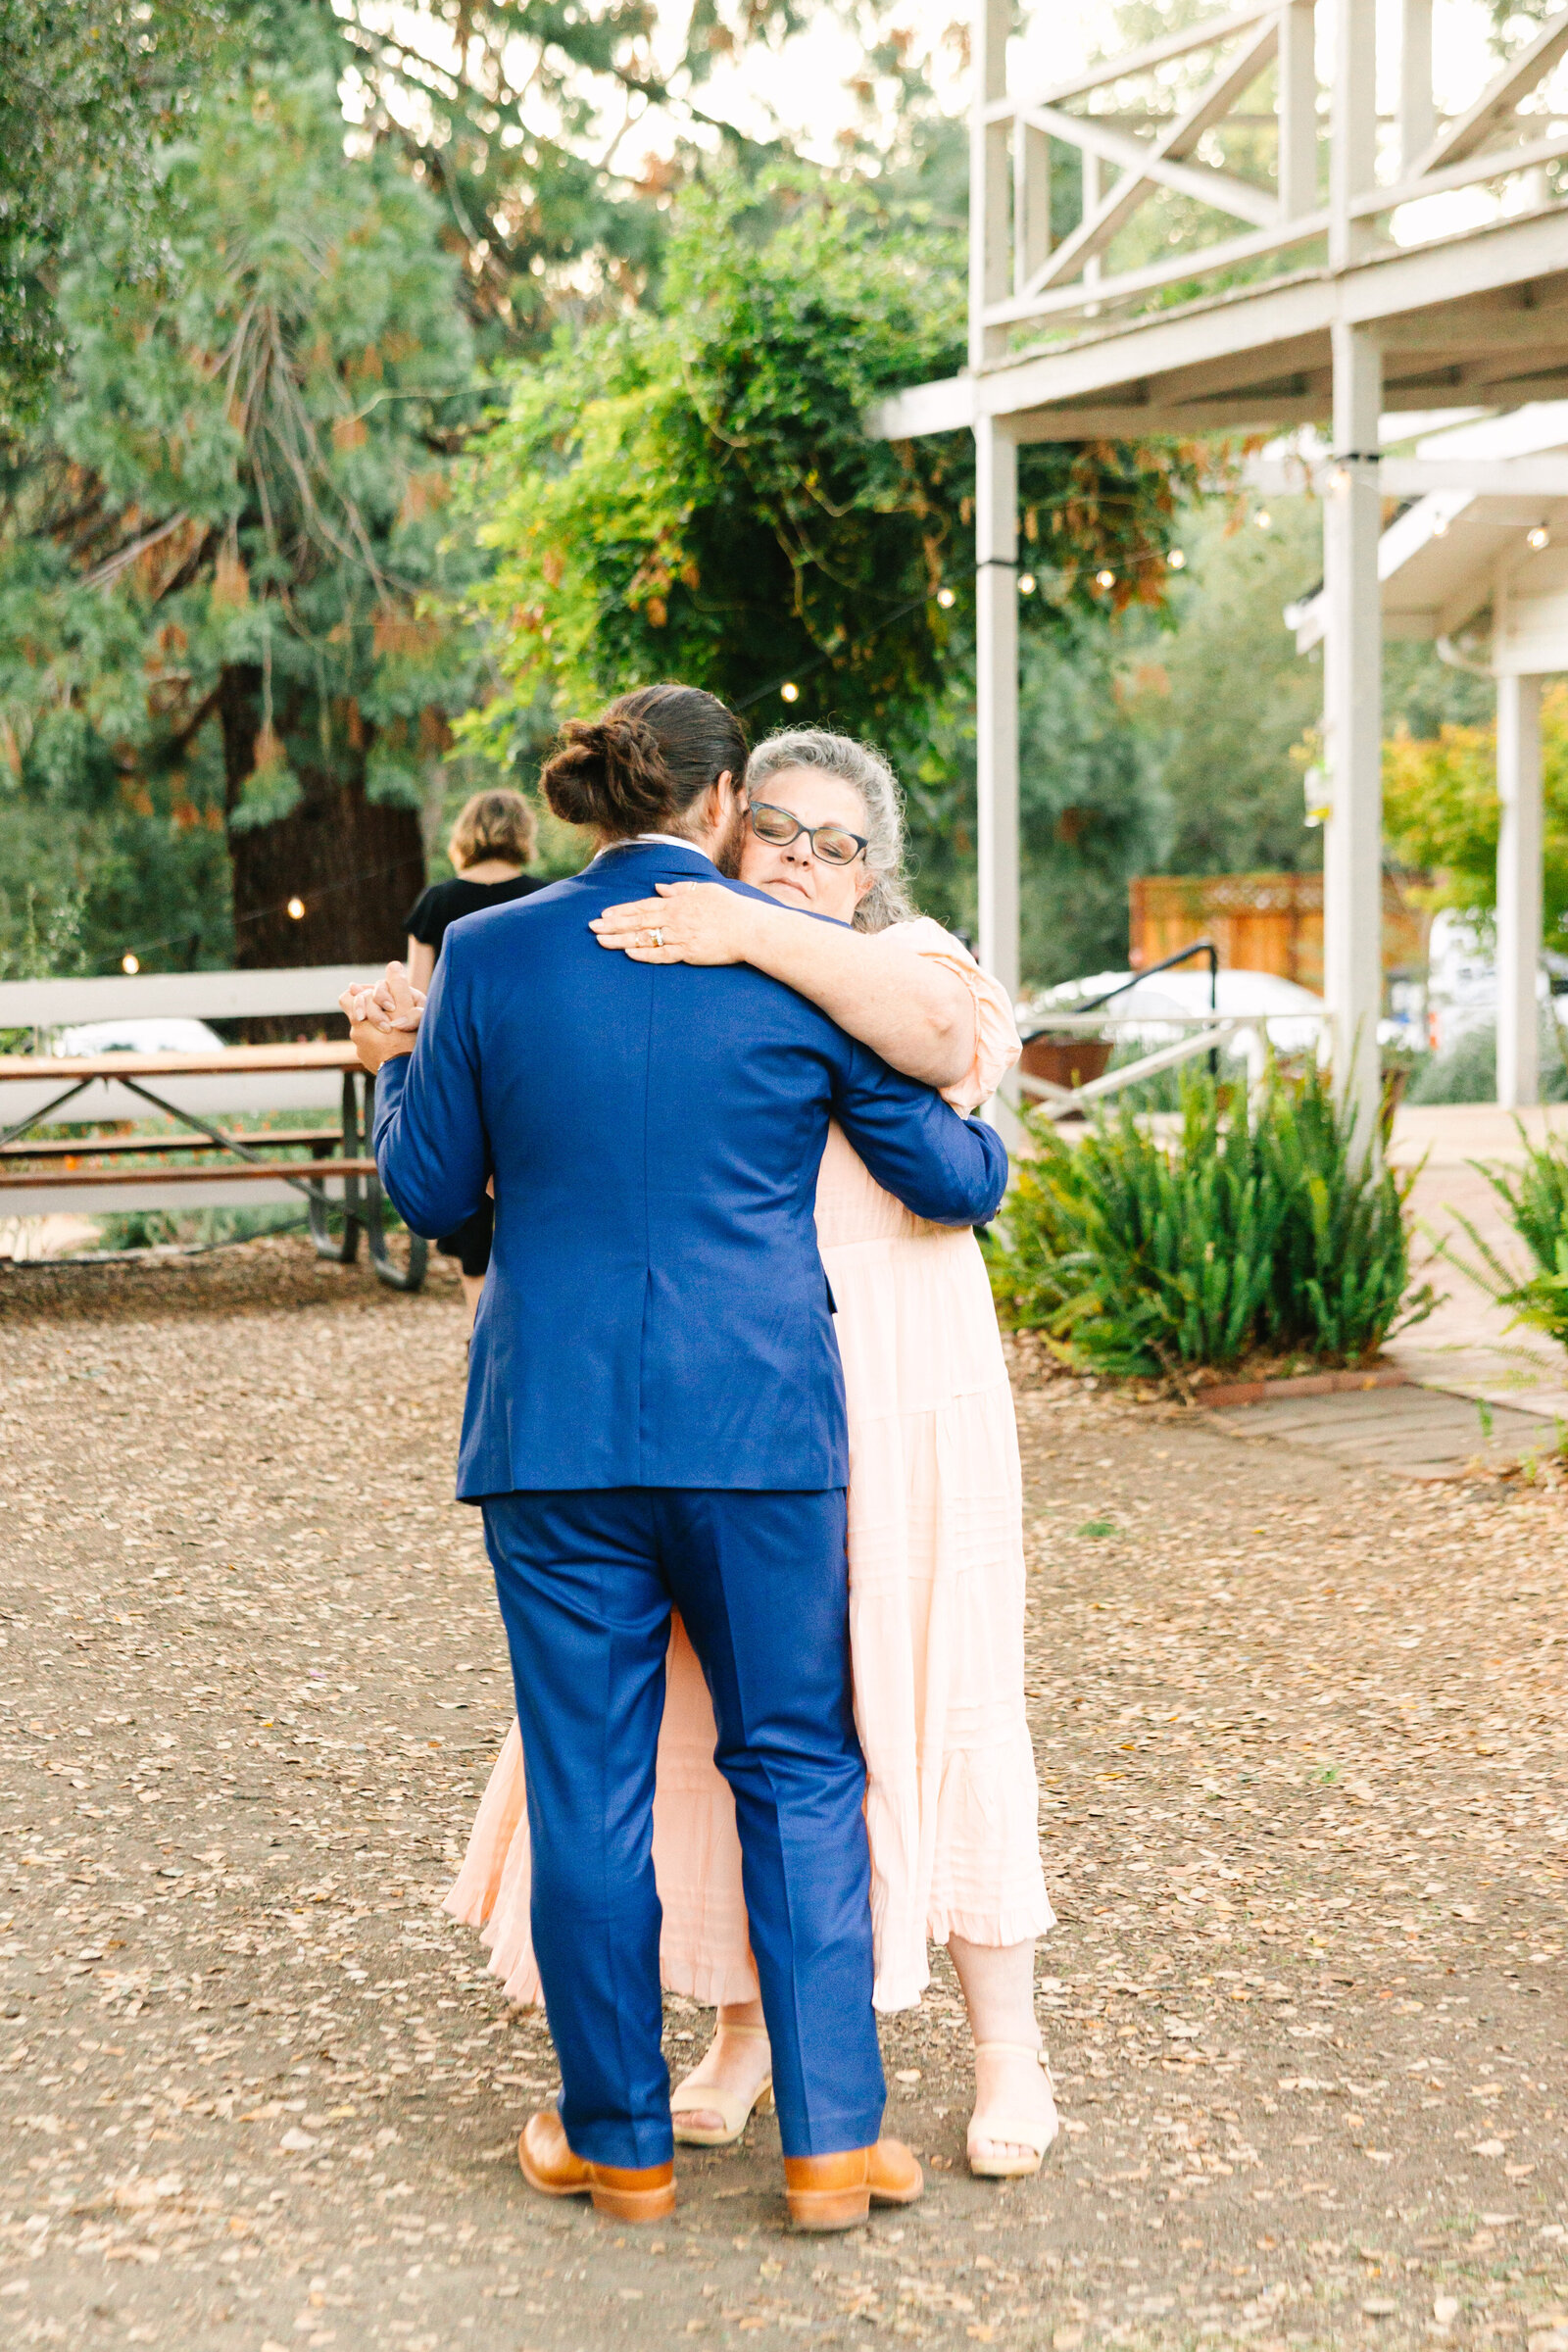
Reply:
x=1535, y=1199
x=1252, y=1227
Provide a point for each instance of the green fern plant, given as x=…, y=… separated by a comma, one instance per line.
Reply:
x=1535, y=1197
x=1256, y=1225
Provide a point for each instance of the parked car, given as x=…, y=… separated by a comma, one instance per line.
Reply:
x=167, y=1035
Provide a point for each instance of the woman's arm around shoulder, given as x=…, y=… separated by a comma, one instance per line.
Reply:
x=908, y=1001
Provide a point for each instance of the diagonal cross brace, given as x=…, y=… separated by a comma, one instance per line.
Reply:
x=1463, y=138
x=1145, y=166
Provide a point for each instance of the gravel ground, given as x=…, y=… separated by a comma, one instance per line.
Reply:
x=1301, y=1742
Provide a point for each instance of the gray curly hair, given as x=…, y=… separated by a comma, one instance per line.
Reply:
x=863, y=767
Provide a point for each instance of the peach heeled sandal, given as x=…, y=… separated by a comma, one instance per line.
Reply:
x=692, y=2097
x=1018, y=2130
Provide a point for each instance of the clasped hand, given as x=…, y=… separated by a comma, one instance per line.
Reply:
x=384, y=1020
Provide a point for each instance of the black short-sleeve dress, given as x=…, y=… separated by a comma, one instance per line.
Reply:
x=432, y=914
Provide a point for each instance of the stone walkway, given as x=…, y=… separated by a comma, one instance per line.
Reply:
x=1301, y=1742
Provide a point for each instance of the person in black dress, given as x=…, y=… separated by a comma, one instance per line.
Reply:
x=490, y=842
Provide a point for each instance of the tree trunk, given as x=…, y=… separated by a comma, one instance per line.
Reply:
x=355, y=865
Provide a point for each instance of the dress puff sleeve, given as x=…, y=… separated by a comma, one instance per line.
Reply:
x=997, y=1045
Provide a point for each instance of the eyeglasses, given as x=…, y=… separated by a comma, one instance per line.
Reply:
x=835, y=844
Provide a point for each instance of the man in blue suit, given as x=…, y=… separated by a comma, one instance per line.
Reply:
x=654, y=1419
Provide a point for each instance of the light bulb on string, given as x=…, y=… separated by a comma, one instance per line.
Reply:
x=1540, y=537
x=791, y=692
x=1176, y=559
x=1440, y=528
x=131, y=964
x=296, y=910
x=1263, y=520
x=1104, y=579
x=946, y=599
x=1027, y=583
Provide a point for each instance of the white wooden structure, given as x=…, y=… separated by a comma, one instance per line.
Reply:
x=1317, y=273
x=1492, y=550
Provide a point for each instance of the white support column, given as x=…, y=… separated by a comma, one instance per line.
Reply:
x=1418, y=120
x=990, y=178
x=995, y=532
x=1353, y=145
x=1352, y=845
x=1030, y=202
x=1298, y=105
x=1519, y=893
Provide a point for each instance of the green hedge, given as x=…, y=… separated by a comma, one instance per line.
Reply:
x=1251, y=1228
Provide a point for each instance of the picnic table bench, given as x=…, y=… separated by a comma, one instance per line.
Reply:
x=218, y=1165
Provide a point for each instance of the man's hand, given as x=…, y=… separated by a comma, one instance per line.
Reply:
x=383, y=1020
x=689, y=922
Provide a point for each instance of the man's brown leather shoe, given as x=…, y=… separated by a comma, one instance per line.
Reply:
x=837, y=2192
x=548, y=2166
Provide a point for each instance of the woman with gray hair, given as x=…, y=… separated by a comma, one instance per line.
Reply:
x=935, y=1510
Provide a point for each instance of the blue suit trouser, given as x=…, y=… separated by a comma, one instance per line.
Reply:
x=586, y=1581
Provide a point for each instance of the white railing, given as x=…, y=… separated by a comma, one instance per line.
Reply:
x=1138, y=142
x=1207, y=1033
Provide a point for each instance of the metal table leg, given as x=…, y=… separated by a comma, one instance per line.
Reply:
x=411, y=1277
x=347, y=1250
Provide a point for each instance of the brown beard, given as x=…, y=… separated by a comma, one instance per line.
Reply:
x=728, y=850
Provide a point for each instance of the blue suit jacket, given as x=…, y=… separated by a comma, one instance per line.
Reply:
x=657, y=1313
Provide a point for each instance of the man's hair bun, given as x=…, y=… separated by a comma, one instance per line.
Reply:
x=608, y=773
x=645, y=762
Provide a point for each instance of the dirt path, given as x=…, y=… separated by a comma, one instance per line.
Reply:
x=1302, y=1743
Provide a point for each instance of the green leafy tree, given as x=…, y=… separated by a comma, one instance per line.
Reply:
x=1441, y=811
x=88, y=88
x=220, y=565
x=694, y=494
x=1093, y=811
x=552, y=135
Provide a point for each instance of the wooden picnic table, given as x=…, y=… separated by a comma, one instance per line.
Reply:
x=334, y=1054
x=246, y=1159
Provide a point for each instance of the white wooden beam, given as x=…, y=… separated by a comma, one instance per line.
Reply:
x=995, y=523
x=1156, y=52
x=1418, y=119
x=1031, y=201
x=1468, y=171
x=1471, y=130
x=1354, y=147
x=1143, y=163
x=1519, y=889
x=1352, y=846
x=1298, y=107
x=990, y=243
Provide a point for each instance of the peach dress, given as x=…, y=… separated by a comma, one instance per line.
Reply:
x=936, y=1618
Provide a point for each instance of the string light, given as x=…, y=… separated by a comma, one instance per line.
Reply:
x=791, y=692
x=1540, y=537
x=130, y=963
x=946, y=599
x=1440, y=528
x=1027, y=583
x=1263, y=519
x=1104, y=579
x=1176, y=559
x=296, y=910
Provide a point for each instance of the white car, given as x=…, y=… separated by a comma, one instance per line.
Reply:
x=167, y=1035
